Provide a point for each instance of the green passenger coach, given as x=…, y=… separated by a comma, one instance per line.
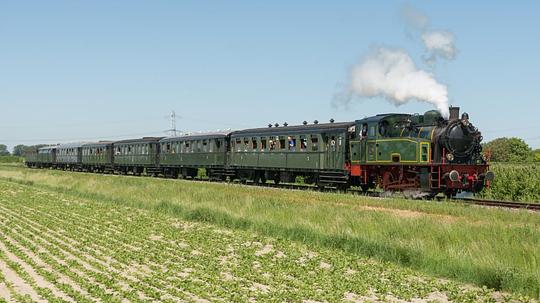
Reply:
x=68, y=156
x=98, y=157
x=31, y=157
x=137, y=155
x=316, y=152
x=183, y=156
x=46, y=156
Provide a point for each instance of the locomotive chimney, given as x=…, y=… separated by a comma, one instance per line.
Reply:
x=454, y=113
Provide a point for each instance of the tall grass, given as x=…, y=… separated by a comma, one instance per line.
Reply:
x=492, y=247
x=515, y=182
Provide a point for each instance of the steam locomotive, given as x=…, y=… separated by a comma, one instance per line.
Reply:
x=423, y=154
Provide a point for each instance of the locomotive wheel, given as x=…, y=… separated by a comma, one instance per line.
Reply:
x=451, y=193
x=364, y=187
x=388, y=178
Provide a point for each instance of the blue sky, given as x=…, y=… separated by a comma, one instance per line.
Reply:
x=85, y=70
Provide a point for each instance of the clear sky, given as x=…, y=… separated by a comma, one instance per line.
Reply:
x=85, y=70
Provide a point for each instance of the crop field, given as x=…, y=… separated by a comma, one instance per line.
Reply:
x=79, y=237
x=60, y=249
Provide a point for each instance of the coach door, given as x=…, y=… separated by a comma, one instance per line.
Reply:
x=333, y=145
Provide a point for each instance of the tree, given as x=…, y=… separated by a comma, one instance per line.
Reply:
x=3, y=150
x=508, y=150
x=536, y=155
x=19, y=150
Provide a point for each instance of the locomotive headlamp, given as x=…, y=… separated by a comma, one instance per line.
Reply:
x=450, y=157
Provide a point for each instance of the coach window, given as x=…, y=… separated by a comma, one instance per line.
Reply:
x=292, y=143
x=218, y=145
x=314, y=143
x=333, y=143
x=246, y=144
x=254, y=144
x=303, y=143
x=238, y=144
x=263, y=144
x=205, y=146
x=282, y=144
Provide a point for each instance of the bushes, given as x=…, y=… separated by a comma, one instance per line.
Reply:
x=10, y=159
x=515, y=182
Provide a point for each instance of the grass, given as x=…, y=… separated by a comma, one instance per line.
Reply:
x=496, y=248
x=63, y=247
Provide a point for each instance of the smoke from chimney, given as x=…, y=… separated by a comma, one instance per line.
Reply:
x=437, y=43
x=392, y=74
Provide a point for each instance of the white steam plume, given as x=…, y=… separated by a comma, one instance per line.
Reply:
x=393, y=75
x=438, y=43
x=414, y=18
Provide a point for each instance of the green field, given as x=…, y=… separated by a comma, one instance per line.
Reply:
x=386, y=241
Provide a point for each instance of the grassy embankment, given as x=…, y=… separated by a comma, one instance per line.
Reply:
x=492, y=247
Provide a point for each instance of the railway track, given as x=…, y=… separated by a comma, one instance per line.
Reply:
x=472, y=201
x=504, y=204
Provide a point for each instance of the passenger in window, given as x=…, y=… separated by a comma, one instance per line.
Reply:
x=292, y=143
x=303, y=144
x=363, y=134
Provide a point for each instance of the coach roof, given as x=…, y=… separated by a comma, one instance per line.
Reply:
x=48, y=147
x=141, y=140
x=197, y=136
x=98, y=144
x=296, y=129
x=72, y=145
